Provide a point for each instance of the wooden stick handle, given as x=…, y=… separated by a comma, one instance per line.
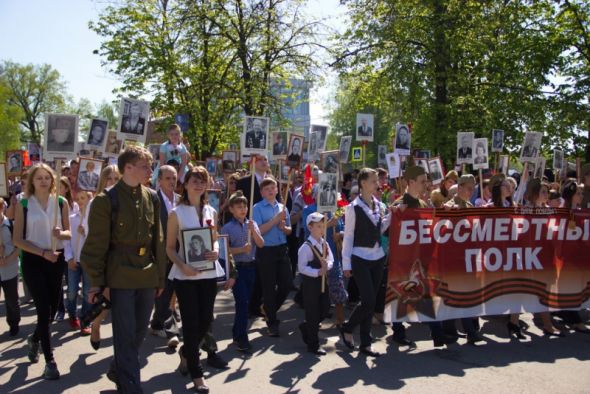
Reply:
x=286, y=196
x=325, y=251
x=55, y=211
x=251, y=201
x=481, y=185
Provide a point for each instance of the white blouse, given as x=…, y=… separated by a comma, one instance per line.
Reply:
x=40, y=222
x=188, y=218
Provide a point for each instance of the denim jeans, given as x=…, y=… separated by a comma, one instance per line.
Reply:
x=74, y=278
x=242, y=292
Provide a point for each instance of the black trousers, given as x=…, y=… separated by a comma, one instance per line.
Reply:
x=44, y=280
x=316, y=305
x=195, y=299
x=274, y=269
x=367, y=274
x=162, y=318
x=10, y=288
x=380, y=303
x=293, y=243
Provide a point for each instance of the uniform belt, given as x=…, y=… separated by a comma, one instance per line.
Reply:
x=139, y=250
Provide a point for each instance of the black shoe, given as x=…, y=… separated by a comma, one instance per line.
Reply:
x=59, y=316
x=303, y=332
x=474, y=338
x=33, y=350
x=95, y=344
x=112, y=376
x=348, y=344
x=317, y=351
x=273, y=331
x=13, y=331
x=244, y=346
x=558, y=334
x=404, y=342
x=514, y=330
x=215, y=361
x=202, y=389
x=51, y=372
x=444, y=340
x=368, y=350
x=182, y=367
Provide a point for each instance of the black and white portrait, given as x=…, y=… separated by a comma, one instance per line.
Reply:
x=321, y=133
x=357, y=154
x=4, y=192
x=330, y=161
x=344, y=149
x=113, y=146
x=229, y=161
x=381, y=152
x=155, y=152
x=557, y=159
x=211, y=165
x=480, y=149
x=97, y=134
x=393, y=164
x=279, y=144
x=61, y=136
x=540, y=167
x=223, y=242
x=15, y=161
x=435, y=170
x=497, y=140
x=312, y=147
x=422, y=153
x=283, y=171
x=256, y=135
x=295, y=150
x=34, y=152
x=531, y=147
x=422, y=163
x=465, y=147
x=403, y=140
x=134, y=117
x=327, y=192
x=214, y=198
x=504, y=160
x=364, y=127
x=196, y=243
x=89, y=173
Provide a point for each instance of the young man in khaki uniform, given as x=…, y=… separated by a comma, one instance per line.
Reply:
x=125, y=259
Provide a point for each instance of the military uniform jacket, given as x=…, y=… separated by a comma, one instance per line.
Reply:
x=410, y=202
x=130, y=253
x=457, y=202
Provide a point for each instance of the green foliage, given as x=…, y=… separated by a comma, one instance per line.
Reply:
x=9, y=127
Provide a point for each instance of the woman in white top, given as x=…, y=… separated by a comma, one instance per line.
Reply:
x=42, y=265
x=9, y=272
x=366, y=219
x=195, y=289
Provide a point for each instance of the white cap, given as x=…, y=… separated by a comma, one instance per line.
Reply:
x=314, y=218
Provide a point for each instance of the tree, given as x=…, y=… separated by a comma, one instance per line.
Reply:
x=9, y=127
x=36, y=90
x=109, y=112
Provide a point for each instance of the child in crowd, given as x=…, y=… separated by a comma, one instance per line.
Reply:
x=173, y=149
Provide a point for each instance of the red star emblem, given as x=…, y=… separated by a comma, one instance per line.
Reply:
x=415, y=293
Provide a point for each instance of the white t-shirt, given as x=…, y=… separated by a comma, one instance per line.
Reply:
x=40, y=222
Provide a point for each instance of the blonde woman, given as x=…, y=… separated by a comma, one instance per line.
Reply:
x=42, y=266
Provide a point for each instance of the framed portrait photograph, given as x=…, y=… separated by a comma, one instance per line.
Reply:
x=403, y=140
x=344, y=149
x=4, y=192
x=465, y=147
x=357, y=154
x=280, y=141
x=531, y=147
x=329, y=161
x=229, y=161
x=321, y=137
x=497, y=140
x=504, y=160
x=97, y=135
x=224, y=261
x=282, y=171
x=422, y=153
x=211, y=165
x=255, y=135
x=183, y=120
x=480, y=154
x=393, y=165
x=312, y=148
x=294, y=151
x=214, y=198
x=89, y=173
x=557, y=159
x=133, y=121
x=15, y=162
x=327, y=192
x=435, y=169
x=196, y=242
x=60, y=136
x=422, y=163
x=365, y=127
x=35, y=152
x=540, y=167
x=113, y=146
x=381, y=152
x=155, y=151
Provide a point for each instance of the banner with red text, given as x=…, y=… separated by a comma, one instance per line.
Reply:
x=476, y=262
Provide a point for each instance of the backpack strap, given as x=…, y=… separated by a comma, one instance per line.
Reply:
x=114, y=199
x=25, y=203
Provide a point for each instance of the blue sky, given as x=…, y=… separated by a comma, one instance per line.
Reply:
x=56, y=32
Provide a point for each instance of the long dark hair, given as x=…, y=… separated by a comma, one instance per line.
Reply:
x=201, y=173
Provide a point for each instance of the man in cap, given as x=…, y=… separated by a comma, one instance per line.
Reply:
x=441, y=195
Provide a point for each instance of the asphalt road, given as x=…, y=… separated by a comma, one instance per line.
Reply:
x=279, y=365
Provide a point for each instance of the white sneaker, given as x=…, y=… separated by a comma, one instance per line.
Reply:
x=173, y=342
x=158, y=333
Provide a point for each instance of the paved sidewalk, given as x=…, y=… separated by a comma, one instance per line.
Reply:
x=279, y=365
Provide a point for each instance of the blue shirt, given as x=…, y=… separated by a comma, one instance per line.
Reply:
x=264, y=212
x=238, y=236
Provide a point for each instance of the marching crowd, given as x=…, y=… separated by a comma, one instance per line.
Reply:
x=123, y=247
